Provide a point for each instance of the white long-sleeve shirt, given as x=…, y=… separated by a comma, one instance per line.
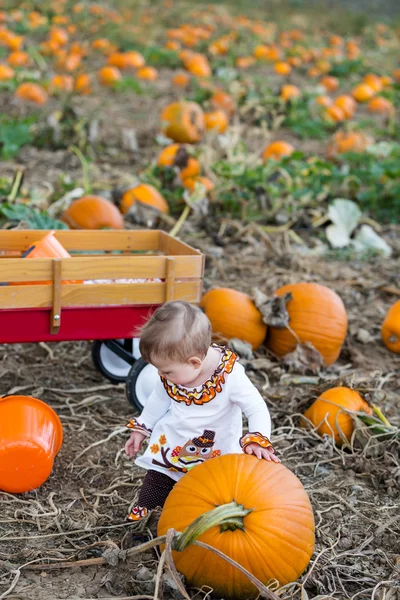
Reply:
x=187, y=426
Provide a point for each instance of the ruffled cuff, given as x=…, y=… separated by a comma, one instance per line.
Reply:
x=255, y=438
x=134, y=424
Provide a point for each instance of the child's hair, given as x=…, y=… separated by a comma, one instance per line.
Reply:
x=177, y=330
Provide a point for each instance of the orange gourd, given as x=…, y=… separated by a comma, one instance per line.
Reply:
x=391, y=329
x=268, y=524
x=324, y=101
x=32, y=92
x=109, y=75
x=330, y=83
x=126, y=60
x=198, y=65
x=335, y=114
x=93, y=212
x=316, y=315
x=329, y=413
x=352, y=141
x=381, y=106
x=347, y=104
x=190, y=183
x=221, y=99
x=83, y=84
x=18, y=59
x=6, y=73
x=183, y=122
x=277, y=150
x=244, y=62
x=282, y=68
x=374, y=81
x=289, y=92
x=146, y=194
x=233, y=314
x=363, y=92
x=216, y=120
x=176, y=155
x=147, y=73
x=181, y=79
x=61, y=83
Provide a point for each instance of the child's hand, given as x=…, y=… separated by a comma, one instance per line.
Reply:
x=266, y=453
x=134, y=444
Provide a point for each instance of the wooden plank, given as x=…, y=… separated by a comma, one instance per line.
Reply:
x=33, y=296
x=105, y=267
x=174, y=247
x=84, y=239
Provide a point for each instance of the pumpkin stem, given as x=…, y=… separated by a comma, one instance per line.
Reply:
x=228, y=516
x=380, y=415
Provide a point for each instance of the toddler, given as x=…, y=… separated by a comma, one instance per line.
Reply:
x=195, y=410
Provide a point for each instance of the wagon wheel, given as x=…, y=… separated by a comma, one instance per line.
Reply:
x=140, y=383
x=114, y=358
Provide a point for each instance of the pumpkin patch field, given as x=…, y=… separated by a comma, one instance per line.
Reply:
x=257, y=144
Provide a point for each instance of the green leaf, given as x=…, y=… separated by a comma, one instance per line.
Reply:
x=14, y=134
x=32, y=217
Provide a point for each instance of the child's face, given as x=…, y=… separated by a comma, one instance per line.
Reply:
x=178, y=372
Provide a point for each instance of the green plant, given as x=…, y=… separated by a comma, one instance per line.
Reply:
x=32, y=218
x=14, y=134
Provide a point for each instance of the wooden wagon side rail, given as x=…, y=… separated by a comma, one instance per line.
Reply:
x=100, y=267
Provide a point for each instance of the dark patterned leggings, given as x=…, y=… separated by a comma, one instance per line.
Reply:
x=155, y=489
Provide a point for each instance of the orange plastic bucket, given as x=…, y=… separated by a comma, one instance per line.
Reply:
x=47, y=247
x=31, y=435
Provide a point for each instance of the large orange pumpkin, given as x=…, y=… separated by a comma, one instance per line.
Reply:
x=146, y=194
x=329, y=413
x=316, y=315
x=391, y=328
x=268, y=524
x=93, y=212
x=233, y=314
x=183, y=122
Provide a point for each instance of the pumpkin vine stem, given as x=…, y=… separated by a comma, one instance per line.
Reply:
x=228, y=516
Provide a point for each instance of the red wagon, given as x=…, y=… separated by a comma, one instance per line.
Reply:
x=103, y=292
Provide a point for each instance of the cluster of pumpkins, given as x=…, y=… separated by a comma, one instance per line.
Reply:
x=317, y=316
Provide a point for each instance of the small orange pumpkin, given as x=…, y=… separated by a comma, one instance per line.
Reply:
x=316, y=315
x=347, y=104
x=181, y=79
x=147, y=73
x=334, y=113
x=330, y=83
x=190, y=183
x=32, y=92
x=282, y=68
x=381, y=106
x=198, y=65
x=18, y=59
x=146, y=194
x=176, y=155
x=216, y=120
x=93, y=212
x=221, y=99
x=83, y=84
x=109, y=76
x=61, y=83
x=352, y=141
x=6, y=73
x=183, y=122
x=289, y=92
x=329, y=413
x=268, y=524
x=391, y=328
x=374, y=81
x=277, y=150
x=233, y=314
x=126, y=60
x=363, y=92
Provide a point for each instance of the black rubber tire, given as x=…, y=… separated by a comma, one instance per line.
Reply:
x=130, y=383
x=100, y=366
